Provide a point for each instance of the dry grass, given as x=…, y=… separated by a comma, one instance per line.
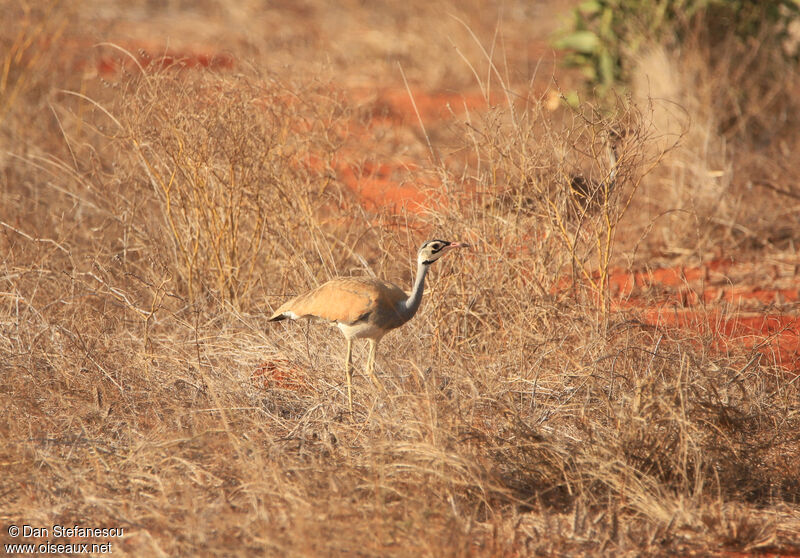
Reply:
x=728, y=188
x=149, y=225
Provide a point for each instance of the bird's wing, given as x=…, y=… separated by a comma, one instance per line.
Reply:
x=343, y=300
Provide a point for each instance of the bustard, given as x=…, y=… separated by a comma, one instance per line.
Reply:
x=594, y=193
x=364, y=307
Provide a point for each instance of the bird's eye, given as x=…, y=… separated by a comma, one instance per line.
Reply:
x=436, y=246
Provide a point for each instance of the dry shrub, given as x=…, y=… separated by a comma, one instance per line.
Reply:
x=574, y=180
x=734, y=105
x=29, y=54
x=232, y=167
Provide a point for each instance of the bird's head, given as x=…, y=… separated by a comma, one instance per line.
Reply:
x=435, y=249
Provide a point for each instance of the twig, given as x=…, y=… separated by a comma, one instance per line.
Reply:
x=771, y=186
x=32, y=239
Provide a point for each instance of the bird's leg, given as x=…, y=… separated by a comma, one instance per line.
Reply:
x=348, y=374
x=373, y=347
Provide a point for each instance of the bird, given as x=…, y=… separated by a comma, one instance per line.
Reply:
x=365, y=307
x=588, y=192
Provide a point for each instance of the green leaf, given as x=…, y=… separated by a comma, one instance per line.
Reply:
x=606, y=64
x=590, y=7
x=572, y=99
x=581, y=41
x=607, y=23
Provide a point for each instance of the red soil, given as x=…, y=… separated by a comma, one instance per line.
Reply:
x=388, y=185
x=400, y=107
x=377, y=186
x=107, y=65
x=111, y=59
x=278, y=373
x=717, y=299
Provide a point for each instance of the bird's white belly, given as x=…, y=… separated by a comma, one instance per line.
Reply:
x=361, y=330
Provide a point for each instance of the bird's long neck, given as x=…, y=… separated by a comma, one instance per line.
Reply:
x=410, y=306
x=612, y=157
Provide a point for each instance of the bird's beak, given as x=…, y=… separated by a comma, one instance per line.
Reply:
x=457, y=245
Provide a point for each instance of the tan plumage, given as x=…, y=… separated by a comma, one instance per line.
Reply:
x=345, y=300
x=364, y=307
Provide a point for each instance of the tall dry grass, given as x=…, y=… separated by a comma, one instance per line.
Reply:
x=562, y=176
x=144, y=244
x=729, y=187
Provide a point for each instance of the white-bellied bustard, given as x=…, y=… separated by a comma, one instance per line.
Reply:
x=364, y=307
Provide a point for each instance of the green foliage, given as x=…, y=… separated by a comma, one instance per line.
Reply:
x=605, y=33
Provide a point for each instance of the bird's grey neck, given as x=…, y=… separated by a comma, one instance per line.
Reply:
x=612, y=157
x=410, y=306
